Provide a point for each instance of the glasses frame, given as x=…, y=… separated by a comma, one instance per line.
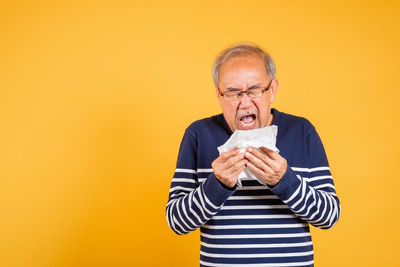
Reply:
x=264, y=89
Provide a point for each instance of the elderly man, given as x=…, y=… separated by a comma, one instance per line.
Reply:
x=263, y=222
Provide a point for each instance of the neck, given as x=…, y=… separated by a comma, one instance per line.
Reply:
x=270, y=119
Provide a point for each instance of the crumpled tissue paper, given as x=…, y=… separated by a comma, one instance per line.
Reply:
x=242, y=139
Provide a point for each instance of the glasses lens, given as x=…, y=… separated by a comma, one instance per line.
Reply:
x=255, y=92
x=232, y=94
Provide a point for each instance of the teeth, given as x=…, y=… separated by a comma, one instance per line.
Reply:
x=247, y=124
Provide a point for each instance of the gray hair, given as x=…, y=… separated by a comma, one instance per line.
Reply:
x=246, y=49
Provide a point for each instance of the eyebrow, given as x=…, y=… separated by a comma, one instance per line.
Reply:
x=257, y=85
x=232, y=89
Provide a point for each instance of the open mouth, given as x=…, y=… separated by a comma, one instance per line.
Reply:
x=248, y=121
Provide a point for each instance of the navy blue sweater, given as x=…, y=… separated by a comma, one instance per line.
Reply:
x=254, y=225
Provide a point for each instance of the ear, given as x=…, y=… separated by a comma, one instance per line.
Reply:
x=219, y=97
x=274, y=90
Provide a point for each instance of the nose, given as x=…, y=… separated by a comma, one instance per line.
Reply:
x=245, y=102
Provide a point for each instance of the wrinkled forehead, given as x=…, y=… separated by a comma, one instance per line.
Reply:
x=242, y=71
x=242, y=59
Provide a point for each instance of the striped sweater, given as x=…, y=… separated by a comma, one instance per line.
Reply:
x=254, y=225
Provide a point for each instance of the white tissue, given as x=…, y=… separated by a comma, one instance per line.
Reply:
x=242, y=139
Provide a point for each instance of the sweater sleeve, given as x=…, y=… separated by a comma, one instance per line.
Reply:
x=310, y=192
x=191, y=204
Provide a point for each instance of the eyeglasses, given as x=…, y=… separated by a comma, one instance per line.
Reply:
x=251, y=92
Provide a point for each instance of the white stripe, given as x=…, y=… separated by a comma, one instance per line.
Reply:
x=170, y=216
x=297, y=169
x=296, y=191
x=168, y=213
x=255, y=236
x=174, y=226
x=177, y=194
x=323, y=212
x=261, y=187
x=181, y=188
x=201, y=180
x=309, y=207
x=327, y=193
x=172, y=201
x=200, y=208
x=190, y=207
x=210, y=203
x=183, y=180
x=237, y=217
x=200, y=193
x=324, y=186
x=176, y=221
x=255, y=226
x=325, y=196
x=303, y=191
x=316, y=178
x=304, y=203
x=288, y=264
x=254, y=207
x=333, y=214
x=317, y=210
x=195, y=226
x=322, y=224
x=331, y=211
x=188, y=228
x=329, y=214
x=322, y=168
x=253, y=197
x=205, y=170
x=261, y=255
x=275, y=245
x=313, y=203
x=186, y=170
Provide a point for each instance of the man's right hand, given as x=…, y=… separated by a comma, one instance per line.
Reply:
x=228, y=166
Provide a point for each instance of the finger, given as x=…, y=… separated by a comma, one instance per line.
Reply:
x=258, y=158
x=261, y=155
x=267, y=164
x=259, y=172
x=238, y=171
x=233, y=160
x=276, y=158
x=269, y=152
x=260, y=164
x=228, y=154
x=238, y=165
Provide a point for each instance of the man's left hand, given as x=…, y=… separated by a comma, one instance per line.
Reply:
x=267, y=164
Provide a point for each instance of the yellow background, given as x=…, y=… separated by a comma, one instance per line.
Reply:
x=95, y=97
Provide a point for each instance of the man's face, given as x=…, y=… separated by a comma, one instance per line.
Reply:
x=242, y=73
